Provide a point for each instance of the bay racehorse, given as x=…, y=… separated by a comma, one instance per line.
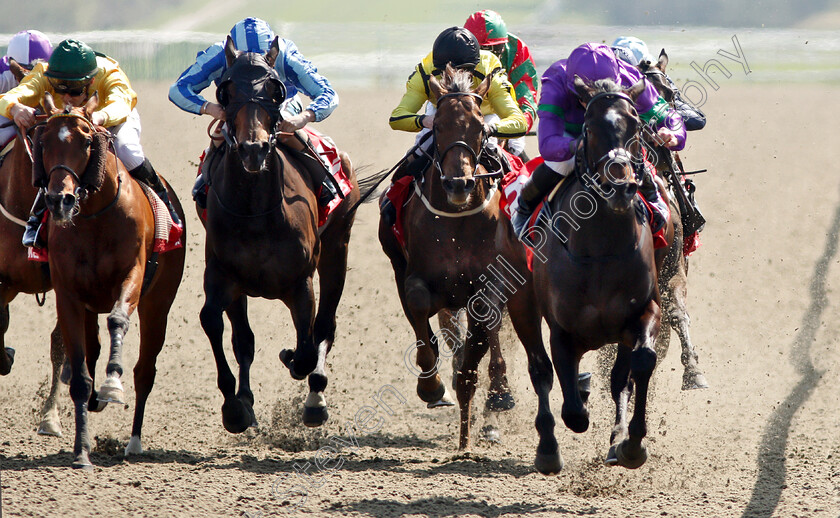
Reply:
x=101, y=237
x=597, y=283
x=673, y=275
x=263, y=240
x=459, y=250
x=17, y=273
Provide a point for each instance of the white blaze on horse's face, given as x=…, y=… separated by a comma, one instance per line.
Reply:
x=64, y=134
x=613, y=117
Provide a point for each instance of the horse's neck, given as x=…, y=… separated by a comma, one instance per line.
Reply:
x=595, y=233
x=107, y=193
x=16, y=191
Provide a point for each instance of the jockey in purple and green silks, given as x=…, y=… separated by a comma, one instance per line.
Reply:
x=492, y=34
x=561, y=119
x=27, y=48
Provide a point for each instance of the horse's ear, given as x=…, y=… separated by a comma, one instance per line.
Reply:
x=663, y=61
x=91, y=105
x=636, y=90
x=435, y=87
x=18, y=71
x=484, y=86
x=230, y=51
x=583, y=90
x=273, y=52
x=49, y=104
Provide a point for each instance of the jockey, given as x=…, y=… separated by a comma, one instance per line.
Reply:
x=458, y=47
x=297, y=74
x=74, y=73
x=561, y=116
x=491, y=32
x=27, y=48
x=634, y=51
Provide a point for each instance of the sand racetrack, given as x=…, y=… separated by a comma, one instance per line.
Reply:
x=762, y=441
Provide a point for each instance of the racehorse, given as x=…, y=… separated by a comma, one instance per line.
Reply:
x=17, y=273
x=598, y=282
x=673, y=275
x=459, y=249
x=101, y=238
x=263, y=241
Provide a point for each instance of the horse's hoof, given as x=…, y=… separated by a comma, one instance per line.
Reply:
x=10, y=355
x=111, y=391
x=134, y=447
x=315, y=416
x=584, y=385
x=445, y=400
x=500, y=402
x=51, y=427
x=491, y=434
x=434, y=395
x=693, y=382
x=94, y=404
x=623, y=455
x=548, y=463
x=287, y=356
x=576, y=422
x=82, y=461
x=236, y=417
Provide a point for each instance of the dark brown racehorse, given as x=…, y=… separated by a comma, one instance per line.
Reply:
x=17, y=273
x=460, y=251
x=598, y=282
x=263, y=241
x=673, y=275
x=101, y=234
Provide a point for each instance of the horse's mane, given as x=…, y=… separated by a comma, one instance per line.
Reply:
x=459, y=82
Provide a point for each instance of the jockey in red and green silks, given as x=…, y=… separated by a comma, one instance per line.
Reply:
x=492, y=34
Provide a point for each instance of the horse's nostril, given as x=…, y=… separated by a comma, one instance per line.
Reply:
x=68, y=200
x=470, y=185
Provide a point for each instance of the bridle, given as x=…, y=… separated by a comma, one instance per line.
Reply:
x=587, y=169
x=438, y=157
x=82, y=191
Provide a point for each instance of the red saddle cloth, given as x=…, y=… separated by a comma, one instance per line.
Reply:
x=328, y=152
x=167, y=234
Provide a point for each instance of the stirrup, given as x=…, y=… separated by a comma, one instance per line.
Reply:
x=32, y=235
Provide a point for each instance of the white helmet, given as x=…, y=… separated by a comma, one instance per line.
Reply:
x=26, y=47
x=631, y=50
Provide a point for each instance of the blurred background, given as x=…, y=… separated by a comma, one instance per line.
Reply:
x=376, y=43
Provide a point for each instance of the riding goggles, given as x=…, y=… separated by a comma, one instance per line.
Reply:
x=71, y=88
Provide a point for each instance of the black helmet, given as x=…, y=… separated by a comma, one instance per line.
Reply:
x=455, y=45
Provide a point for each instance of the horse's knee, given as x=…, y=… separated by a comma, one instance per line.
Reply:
x=81, y=386
x=643, y=361
x=118, y=322
x=211, y=319
x=417, y=296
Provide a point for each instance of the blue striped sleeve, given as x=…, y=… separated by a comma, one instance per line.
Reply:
x=303, y=75
x=185, y=93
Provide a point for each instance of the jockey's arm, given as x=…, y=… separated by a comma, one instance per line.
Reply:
x=305, y=77
x=116, y=98
x=405, y=116
x=19, y=103
x=185, y=93
x=513, y=123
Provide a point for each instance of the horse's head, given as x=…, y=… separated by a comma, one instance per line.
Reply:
x=611, y=148
x=655, y=73
x=458, y=131
x=69, y=157
x=251, y=93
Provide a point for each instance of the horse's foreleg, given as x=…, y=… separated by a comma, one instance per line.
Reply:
x=631, y=453
x=453, y=327
x=567, y=362
x=71, y=319
x=93, y=347
x=50, y=422
x=621, y=386
x=676, y=316
x=526, y=321
x=417, y=303
x=474, y=351
x=218, y=297
x=243, y=349
x=499, y=397
x=7, y=354
x=112, y=389
x=302, y=361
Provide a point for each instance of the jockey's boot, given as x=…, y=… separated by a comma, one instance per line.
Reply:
x=32, y=235
x=659, y=208
x=199, y=190
x=542, y=181
x=414, y=165
x=322, y=181
x=146, y=174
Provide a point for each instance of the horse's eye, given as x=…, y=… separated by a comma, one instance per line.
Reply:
x=88, y=142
